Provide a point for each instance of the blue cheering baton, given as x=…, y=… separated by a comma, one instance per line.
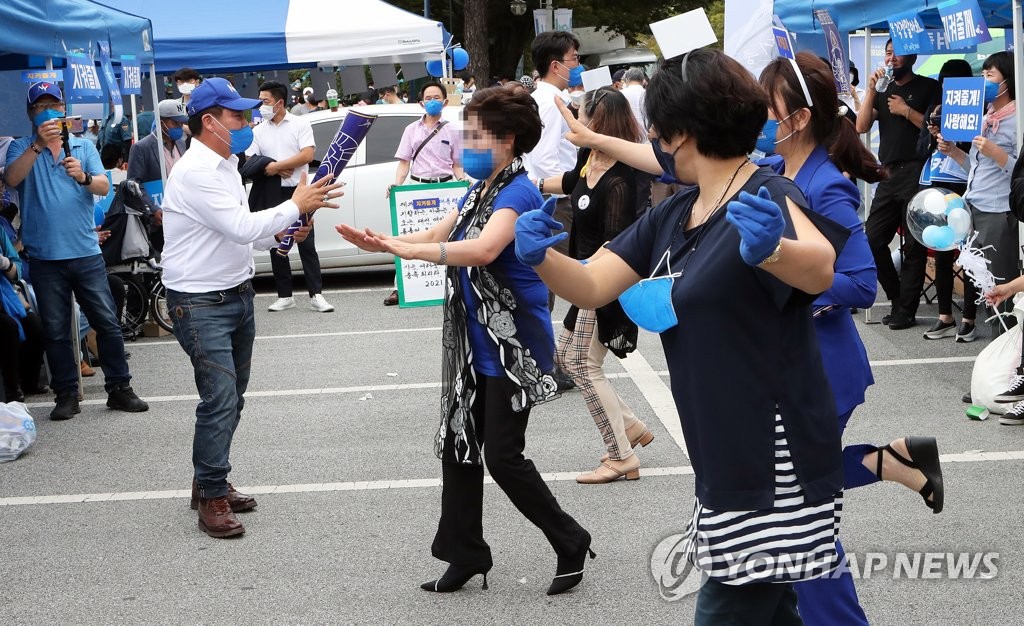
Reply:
x=352, y=132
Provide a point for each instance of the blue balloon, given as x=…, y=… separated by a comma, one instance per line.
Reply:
x=938, y=238
x=460, y=59
x=954, y=202
x=435, y=68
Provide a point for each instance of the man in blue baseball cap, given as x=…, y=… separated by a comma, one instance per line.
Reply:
x=209, y=236
x=60, y=239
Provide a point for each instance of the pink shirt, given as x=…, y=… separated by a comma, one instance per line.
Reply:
x=438, y=157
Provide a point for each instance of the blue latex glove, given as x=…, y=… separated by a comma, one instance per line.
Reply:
x=533, y=233
x=760, y=224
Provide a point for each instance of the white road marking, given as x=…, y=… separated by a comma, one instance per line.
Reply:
x=657, y=394
x=935, y=361
x=415, y=483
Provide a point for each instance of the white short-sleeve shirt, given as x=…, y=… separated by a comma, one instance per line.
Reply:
x=282, y=140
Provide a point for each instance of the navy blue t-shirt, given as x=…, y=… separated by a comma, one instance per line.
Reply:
x=744, y=349
x=531, y=315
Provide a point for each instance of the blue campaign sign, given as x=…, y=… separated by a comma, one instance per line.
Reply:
x=131, y=76
x=963, y=105
x=908, y=34
x=108, y=73
x=783, y=43
x=155, y=189
x=84, y=85
x=42, y=76
x=836, y=53
x=964, y=24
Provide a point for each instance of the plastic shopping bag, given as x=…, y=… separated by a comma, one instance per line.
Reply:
x=17, y=430
x=996, y=366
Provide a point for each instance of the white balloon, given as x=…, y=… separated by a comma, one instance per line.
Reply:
x=935, y=203
x=960, y=221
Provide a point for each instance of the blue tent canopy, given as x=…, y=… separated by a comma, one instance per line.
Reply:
x=53, y=28
x=849, y=15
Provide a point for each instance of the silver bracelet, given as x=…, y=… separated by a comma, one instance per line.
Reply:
x=444, y=254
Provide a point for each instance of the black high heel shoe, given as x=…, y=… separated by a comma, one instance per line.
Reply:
x=570, y=570
x=454, y=578
x=926, y=450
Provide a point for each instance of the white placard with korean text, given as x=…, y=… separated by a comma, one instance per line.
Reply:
x=415, y=208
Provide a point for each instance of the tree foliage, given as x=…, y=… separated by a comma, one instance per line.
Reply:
x=509, y=36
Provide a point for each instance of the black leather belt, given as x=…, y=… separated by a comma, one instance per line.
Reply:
x=440, y=179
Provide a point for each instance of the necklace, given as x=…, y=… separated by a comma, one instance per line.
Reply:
x=701, y=226
x=718, y=203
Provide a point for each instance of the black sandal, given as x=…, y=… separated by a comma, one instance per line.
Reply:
x=928, y=450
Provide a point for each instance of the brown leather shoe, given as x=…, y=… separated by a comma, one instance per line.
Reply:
x=216, y=518
x=239, y=501
x=87, y=370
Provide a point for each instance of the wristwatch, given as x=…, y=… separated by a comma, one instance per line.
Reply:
x=87, y=181
x=773, y=257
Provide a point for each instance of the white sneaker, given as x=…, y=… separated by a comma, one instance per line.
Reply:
x=319, y=304
x=281, y=304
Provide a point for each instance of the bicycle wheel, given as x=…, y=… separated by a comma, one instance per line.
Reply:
x=135, y=308
x=158, y=306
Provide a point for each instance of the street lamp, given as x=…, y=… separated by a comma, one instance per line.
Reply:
x=518, y=7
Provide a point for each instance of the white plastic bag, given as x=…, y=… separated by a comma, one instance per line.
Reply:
x=17, y=430
x=996, y=366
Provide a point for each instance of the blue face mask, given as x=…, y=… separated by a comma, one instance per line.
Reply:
x=46, y=115
x=433, y=107
x=241, y=139
x=766, y=141
x=176, y=132
x=649, y=302
x=478, y=163
x=576, y=76
x=992, y=91
x=667, y=162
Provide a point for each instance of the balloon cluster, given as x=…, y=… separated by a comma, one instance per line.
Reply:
x=459, y=57
x=939, y=219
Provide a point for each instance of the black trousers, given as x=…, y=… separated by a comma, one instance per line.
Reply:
x=502, y=434
x=889, y=213
x=759, y=604
x=20, y=361
x=307, y=255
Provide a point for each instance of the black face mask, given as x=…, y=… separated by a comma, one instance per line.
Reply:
x=667, y=162
x=900, y=72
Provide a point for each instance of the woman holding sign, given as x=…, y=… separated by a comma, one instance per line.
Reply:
x=497, y=345
x=989, y=165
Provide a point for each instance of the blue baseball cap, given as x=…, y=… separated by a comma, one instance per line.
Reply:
x=218, y=92
x=38, y=90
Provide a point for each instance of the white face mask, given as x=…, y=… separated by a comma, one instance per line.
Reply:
x=267, y=111
x=185, y=88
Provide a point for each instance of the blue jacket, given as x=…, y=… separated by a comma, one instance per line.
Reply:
x=834, y=196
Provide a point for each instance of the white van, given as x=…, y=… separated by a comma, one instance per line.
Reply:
x=367, y=177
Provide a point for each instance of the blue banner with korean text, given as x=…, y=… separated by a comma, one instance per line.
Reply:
x=964, y=23
x=113, y=89
x=42, y=76
x=963, y=105
x=782, y=42
x=836, y=53
x=131, y=76
x=908, y=34
x=84, y=84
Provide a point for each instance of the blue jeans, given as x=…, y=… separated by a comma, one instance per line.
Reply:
x=216, y=329
x=54, y=282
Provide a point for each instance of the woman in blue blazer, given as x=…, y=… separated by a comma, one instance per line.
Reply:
x=815, y=146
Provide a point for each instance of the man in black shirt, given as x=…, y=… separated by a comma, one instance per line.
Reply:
x=899, y=111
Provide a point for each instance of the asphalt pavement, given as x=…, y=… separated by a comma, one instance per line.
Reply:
x=336, y=444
